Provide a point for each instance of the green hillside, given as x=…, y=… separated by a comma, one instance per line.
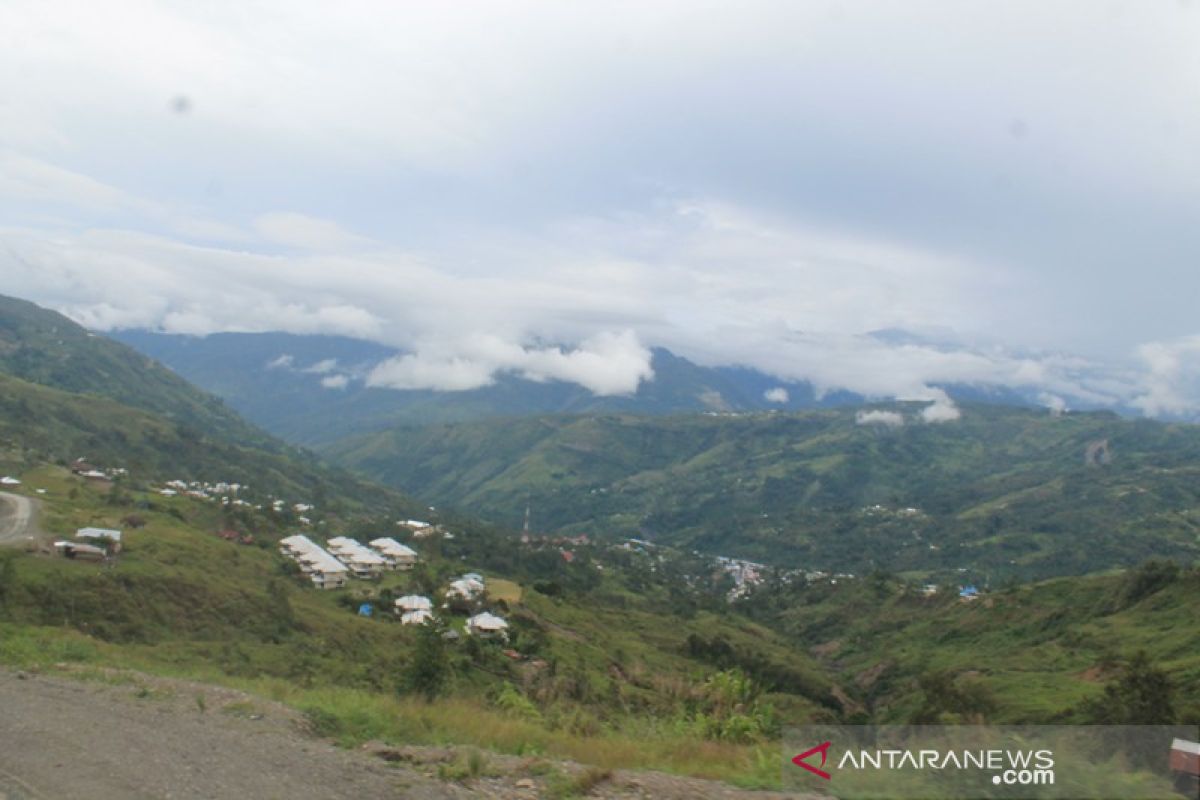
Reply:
x=1001, y=492
x=44, y=347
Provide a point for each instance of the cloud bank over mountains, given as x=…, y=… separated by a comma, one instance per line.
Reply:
x=882, y=200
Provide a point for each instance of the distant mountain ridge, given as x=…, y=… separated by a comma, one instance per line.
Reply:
x=1000, y=492
x=312, y=390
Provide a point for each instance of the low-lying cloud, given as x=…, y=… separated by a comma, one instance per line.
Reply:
x=888, y=419
x=606, y=364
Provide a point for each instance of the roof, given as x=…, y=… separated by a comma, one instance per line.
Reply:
x=390, y=547
x=313, y=554
x=99, y=533
x=1184, y=746
x=487, y=621
x=412, y=602
x=416, y=617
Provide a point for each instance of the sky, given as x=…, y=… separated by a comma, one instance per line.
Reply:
x=880, y=197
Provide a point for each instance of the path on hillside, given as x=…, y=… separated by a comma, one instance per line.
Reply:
x=119, y=736
x=18, y=518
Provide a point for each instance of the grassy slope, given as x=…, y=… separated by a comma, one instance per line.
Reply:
x=1003, y=490
x=44, y=347
x=181, y=601
x=39, y=424
x=1040, y=649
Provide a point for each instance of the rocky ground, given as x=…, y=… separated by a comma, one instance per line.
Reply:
x=106, y=735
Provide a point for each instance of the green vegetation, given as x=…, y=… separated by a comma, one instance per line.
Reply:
x=1003, y=492
x=625, y=657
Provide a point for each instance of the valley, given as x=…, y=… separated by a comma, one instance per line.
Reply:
x=630, y=652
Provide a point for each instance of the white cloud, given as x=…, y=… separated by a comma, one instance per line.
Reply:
x=335, y=381
x=322, y=367
x=1056, y=404
x=606, y=364
x=776, y=394
x=284, y=361
x=942, y=409
x=1171, y=380
x=889, y=419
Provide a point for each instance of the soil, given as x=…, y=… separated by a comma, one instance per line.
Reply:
x=110, y=735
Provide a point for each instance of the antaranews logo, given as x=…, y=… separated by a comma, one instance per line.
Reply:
x=1009, y=767
x=823, y=749
x=964, y=762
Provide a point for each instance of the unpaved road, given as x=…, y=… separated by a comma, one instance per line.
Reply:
x=151, y=737
x=18, y=518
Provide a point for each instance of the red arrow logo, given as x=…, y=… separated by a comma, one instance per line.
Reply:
x=823, y=749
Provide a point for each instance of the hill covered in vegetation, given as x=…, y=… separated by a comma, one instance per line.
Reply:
x=1000, y=492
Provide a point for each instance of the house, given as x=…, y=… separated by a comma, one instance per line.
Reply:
x=929, y=589
x=1184, y=761
x=468, y=587
x=325, y=571
x=416, y=617
x=969, y=593
x=487, y=626
x=363, y=562
x=396, y=555
x=80, y=465
x=105, y=537
x=413, y=602
x=85, y=552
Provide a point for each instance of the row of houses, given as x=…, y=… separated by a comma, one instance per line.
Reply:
x=416, y=609
x=330, y=568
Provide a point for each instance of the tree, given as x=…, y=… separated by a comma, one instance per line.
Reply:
x=428, y=671
x=1140, y=694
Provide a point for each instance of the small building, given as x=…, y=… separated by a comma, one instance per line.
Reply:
x=83, y=552
x=361, y=561
x=416, y=617
x=396, y=555
x=413, y=602
x=929, y=589
x=968, y=593
x=487, y=626
x=465, y=588
x=104, y=537
x=325, y=571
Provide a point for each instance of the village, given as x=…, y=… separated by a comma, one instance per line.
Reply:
x=330, y=563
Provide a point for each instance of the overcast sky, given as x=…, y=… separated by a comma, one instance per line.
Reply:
x=551, y=188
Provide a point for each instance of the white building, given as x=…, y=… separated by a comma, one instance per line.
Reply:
x=363, y=562
x=325, y=571
x=398, y=556
x=103, y=536
x=487, y=626
x=413, y=602
x=418, y=617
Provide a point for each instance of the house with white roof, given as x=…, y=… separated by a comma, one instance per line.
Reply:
x=363, y=562
x=104, y=537
x=487, y=626
x=417, y=617
x=325, y=571
x=465, y=588
x=413, y=602
x=397, y=555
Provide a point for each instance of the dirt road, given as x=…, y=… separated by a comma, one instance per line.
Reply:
x=18, y=519
x=65, y=738
x=138, y=737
